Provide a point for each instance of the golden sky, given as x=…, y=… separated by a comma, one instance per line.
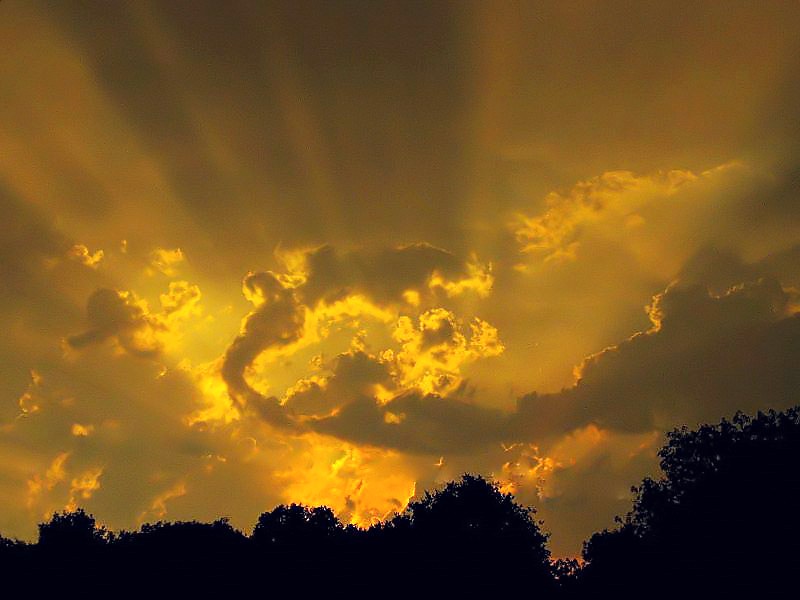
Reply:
x=341, y=252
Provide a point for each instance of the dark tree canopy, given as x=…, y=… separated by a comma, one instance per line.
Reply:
x=723, y=519
x=470, y=538
x=473, y=514
x=720, y=523
x=296, y=527
x=74, y=531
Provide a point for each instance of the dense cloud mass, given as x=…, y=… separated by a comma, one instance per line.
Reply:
x=389, y=275
x=340, y=254
x=114, y=314
x=277, y=321
x=703, y=355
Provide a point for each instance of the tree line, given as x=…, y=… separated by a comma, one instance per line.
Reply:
x=722, y=521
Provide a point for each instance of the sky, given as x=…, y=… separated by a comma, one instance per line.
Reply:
x=342, y=252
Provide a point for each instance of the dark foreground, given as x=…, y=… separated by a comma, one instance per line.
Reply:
x=722, y=522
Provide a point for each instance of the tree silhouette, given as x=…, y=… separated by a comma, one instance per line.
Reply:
x=296, y=527
x=723, y=520
x=183, y=557
x=73, y=531
x=721, y=523
x=473, y=513
x=71, y=554
x=302, y=544
x=468, y=537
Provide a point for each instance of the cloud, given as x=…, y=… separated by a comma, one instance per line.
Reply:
x=82, y=430
x=432, y=352
x=321, y=287
x=81, y=253
x=118, y=315
x=166, y=260
x=582, y=260
x=658, y=219
x=276, y=322
x=362, y=485
x=83, y=487
x=694, y=363
x=354, y=374
x=42, y=483
x=613, y=197
x=397, y=399
x=386, y=274
x=587, y=467
x=721, y=268
x=704, y=356
x=418, y=424
x=127, y=319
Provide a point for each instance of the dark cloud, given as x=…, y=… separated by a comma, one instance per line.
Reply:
x=325, y=275
x=383, y=274
x=417, y=424
x=721, y=269
x=115, y=314
x=706, y=356
x=276, y=322
x=355, y=374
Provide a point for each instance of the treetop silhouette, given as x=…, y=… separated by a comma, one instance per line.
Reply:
x=721, y=521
